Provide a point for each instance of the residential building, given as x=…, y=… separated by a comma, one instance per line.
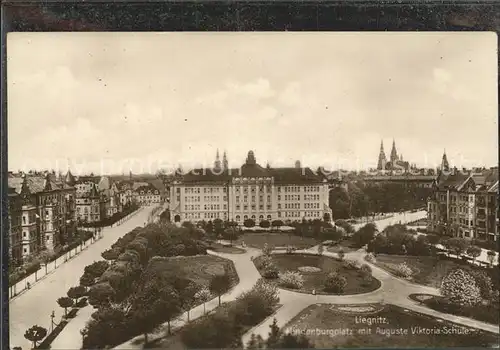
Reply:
x=125, y=192
x=48, y=209
x=249, y=192
x=147, y=194
x=91, y=206
x=15, y=227
x=465, y=204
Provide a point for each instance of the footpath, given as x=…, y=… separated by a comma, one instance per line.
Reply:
x=21, y=287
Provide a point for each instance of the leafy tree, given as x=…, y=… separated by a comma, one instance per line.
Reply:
x=255, y=342
x=87, y=280
x=76, y=293
x=65, y=302
x=219, y=284
x=277, y=224
x=249, y=223
x=291, y=341
x=320, y=249
x=106, y=328
x=456, y=245
x=274, y=335
x=111, y=254
x=218, y=226
x=460, y=287
x=129, y=255
x=96, y=269
x=35, y=334
x=341, y=254
x=433, y=239
x=101, y=294
x=203, y=296
x=473, y=251
x=46, y=256
x=490, y=255
x=265, y=224
x=187, y=297
x=364, y=235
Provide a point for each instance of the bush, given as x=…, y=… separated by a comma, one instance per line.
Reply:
x=249, y=223
x=460, y=287
x=483, y=281
x=365, y=270
x=350, y=264
x=264, y=262
x=265, y=224
x=371, y=258
x=341, y=254
x=271, y=272
x=267, y=249
x=403, y=270
x=335, y=283
x=290, y=279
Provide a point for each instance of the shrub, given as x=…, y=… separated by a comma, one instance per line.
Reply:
x=460, y=287
x=335, y=283
x=267, y=249
x=365, y=270
x=265, y=224
x=271, y=271
x=249, y=223
x=350, y=264
x=341, y=254
x=483, y=281
x=370, y=257
x=403, y=270
x=290, y=279
x=264, y=262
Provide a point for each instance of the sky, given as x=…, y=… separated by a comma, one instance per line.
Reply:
x=111, y=102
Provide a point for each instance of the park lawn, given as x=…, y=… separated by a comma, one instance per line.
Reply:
x=199, y=268
x=428, y=270
x=327, y=318
x=315, y=280
x=258, y=240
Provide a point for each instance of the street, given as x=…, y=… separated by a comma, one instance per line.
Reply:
x=36, y=305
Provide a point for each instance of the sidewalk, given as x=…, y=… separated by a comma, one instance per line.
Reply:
x=21, y=286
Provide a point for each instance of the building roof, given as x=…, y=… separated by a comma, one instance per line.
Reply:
x=486, y=180
x=84, y=179
x=147, y=187
x=36, y=183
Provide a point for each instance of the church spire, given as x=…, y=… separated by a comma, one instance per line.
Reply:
x=381, y=157
x=445, y=166
x=217, y=163
x=224, y=161
x=394, y=153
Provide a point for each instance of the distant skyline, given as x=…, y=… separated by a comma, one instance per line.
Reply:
x=108, y=102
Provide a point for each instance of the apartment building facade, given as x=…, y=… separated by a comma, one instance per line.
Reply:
x=466, y=205
x=249, y=192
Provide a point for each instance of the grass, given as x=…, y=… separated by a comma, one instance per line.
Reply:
x=328, y=318
x=481, y=312
x=199, y=268
x=428, y=270
x=258, y=240
x=315, y=280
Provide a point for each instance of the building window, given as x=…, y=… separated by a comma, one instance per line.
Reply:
x=269, y=217
x=261, y=217
x=237, y=218
x=245, y=217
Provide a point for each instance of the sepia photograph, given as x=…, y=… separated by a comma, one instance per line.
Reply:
x=255, y=190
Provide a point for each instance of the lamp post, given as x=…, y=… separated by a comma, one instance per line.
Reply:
x=52, y=316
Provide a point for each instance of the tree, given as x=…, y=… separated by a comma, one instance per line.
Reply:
x=46, y=256
x=255, y=342
x=335, y=283
x=277, y=224
x=320, y=249
x=473, y=251
x=433, y=239
x=456, y=245
x=76, y=293
x=341, y=254
x=490, y=255
x=219, y=284
x=111, y=254
x=218, y=226
x=265, y=224
x=35, y=334
x=101, y=294
x=364, y=235
x=460, y=287
x=274, y=335
x=87, y=280
x=202, y=296
x=96, y=269
x=188, y=297
x=249, y=223
x=65, y=302
x=292, y=341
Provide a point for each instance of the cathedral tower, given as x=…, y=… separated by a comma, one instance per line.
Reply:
x=225, y=162
x=217, y=163
x=394, y=153
x=381, y=157
x=445, y=166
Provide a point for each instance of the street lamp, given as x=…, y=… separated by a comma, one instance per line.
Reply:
x=52, y=316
